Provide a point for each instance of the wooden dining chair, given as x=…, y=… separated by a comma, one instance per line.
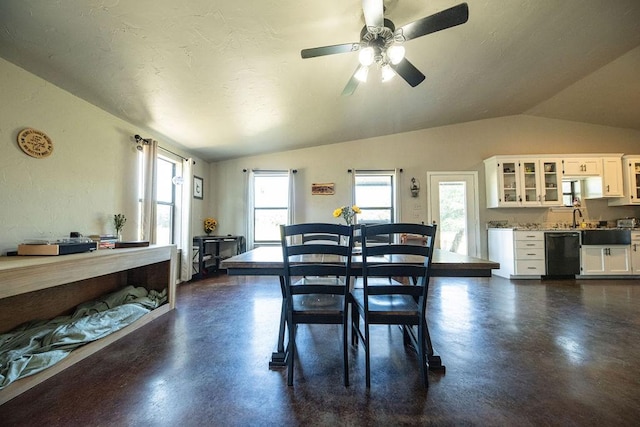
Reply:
x=395, y=278
x=316, y=282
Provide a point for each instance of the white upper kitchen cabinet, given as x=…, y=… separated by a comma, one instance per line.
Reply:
x=630, y=182
x=582, y=166
x=526, y=181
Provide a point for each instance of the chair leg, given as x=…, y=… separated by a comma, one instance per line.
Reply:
x=367, y=356
x=291, y=352
x=345, y=354
x=422, y=353
x=355, y=326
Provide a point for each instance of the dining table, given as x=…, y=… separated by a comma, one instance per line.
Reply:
x=268, y=261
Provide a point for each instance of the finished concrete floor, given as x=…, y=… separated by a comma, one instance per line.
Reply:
x=517, y=353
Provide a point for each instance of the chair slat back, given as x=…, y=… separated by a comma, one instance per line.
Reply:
x=317, y=258
x=397, y=259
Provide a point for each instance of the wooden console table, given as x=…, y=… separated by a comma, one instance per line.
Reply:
x=207, y=255
x=43, y=287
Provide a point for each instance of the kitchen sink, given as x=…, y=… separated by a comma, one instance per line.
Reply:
x=606, y=237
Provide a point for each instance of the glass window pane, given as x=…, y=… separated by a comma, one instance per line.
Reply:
x=453, y=217
x=370, y=216
x=374, y=191
x=164, y=224
x=164, y=185
x=271, y=191
x=267, y=224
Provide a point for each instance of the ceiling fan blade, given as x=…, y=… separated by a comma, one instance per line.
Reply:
x=329, y=50
x=352, y=84
x=439, y=21
x=409, y=72
x=373, y=13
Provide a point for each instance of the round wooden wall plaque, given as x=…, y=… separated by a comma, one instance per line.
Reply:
x=35, y=143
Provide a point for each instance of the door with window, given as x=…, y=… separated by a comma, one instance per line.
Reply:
x=453, y=205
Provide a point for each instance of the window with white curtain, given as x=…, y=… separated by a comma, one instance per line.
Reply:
x=375, y=195
x=168, y=174
x=270, y=205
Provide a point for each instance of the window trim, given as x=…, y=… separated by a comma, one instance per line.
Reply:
x=395, y=203
x=252, y=208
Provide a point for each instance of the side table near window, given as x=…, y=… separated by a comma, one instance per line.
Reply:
x=208, y=251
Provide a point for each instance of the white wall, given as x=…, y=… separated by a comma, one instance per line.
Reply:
x=91, y=173
x=459, y=147
x=90, y=176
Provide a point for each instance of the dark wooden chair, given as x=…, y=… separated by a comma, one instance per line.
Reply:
x=316, y=288
x=395, y=279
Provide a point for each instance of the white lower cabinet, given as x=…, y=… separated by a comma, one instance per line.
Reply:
x=529, y=257
x=520, y=253
x=605, y=260
x=635, y=252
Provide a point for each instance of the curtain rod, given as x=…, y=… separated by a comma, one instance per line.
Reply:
x=175, y=154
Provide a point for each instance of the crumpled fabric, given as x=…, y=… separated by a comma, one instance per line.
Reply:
x=37, y=345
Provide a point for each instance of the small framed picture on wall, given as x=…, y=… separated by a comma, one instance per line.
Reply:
x=198, y=187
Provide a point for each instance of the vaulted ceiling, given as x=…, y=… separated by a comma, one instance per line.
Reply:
x=226, y=79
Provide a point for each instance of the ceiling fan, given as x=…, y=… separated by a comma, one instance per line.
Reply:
x=381, y=43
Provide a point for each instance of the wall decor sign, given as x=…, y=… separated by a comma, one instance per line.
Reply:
x=324, y=189
x=35, y=143
x=198, y=187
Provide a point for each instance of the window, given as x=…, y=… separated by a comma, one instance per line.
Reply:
x=270, y=205
x=374, y=193
x=166, y=202
x=570, y=192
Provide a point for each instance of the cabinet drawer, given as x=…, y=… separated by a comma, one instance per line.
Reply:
x=529, y=244
x=529, y=235
x=530, y=267
x=530, y=253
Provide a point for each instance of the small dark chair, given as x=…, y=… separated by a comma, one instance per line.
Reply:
x=316, y=287
x=395, y=280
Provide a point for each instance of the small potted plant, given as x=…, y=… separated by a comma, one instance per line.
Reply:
x=118, y=222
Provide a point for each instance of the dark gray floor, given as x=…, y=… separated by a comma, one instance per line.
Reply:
x=516, y=352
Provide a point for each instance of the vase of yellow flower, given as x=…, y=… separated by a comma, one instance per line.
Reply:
x=210, y=225
x=118, y=223
x=347, y=212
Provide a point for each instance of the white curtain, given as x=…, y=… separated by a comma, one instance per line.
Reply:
x=292, y=196
x=186, y=239
x=149, y=197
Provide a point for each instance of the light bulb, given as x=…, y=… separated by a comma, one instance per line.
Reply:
x=395, y=53
x=366, y=56
x=387, y=73
x=362, y=73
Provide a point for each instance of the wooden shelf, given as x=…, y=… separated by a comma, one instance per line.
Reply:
x=43, y=287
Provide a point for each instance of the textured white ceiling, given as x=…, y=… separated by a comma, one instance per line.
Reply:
x=225, y=79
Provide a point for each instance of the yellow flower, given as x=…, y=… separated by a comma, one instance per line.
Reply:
x=347, y=212
x=210, y=224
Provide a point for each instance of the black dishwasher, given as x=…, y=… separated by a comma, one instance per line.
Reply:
x=562, y=250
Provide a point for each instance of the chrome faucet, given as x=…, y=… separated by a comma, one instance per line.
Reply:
x=575, y=224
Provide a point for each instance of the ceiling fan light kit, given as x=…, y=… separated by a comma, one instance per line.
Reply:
x=381, y=43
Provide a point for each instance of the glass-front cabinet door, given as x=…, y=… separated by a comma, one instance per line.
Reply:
x=635, y=181
x=509, y=182
x=551, y=182
x=530, y=191
x=541, y=180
